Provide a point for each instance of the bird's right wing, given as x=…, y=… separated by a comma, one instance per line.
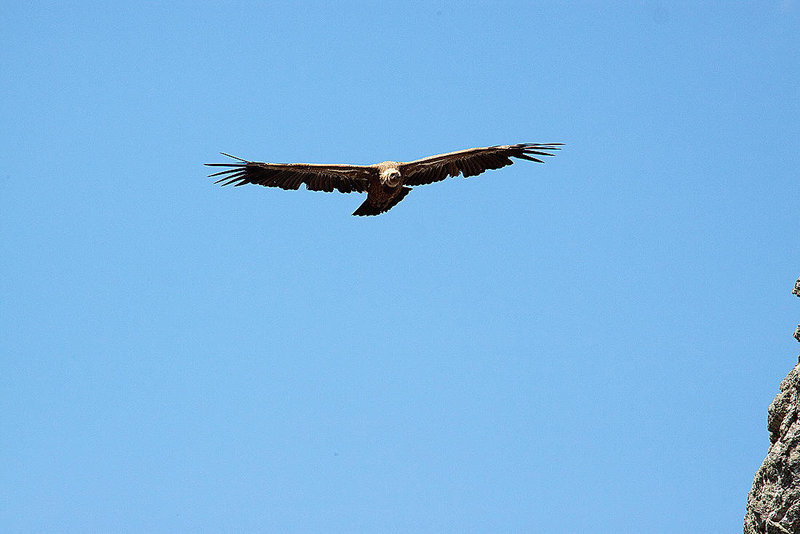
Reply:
x=316, y=177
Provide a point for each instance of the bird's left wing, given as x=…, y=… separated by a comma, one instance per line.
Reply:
x=471, y=162
x=316, y=177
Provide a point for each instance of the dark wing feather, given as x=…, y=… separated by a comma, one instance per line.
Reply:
x=316, y=177
x=471, y=162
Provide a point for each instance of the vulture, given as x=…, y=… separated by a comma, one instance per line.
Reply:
x=385, y=183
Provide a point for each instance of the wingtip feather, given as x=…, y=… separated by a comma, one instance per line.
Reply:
x=234, y=157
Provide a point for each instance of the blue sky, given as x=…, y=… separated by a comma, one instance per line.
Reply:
x=588, y=345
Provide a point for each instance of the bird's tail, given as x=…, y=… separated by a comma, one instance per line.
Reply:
x=370, y=208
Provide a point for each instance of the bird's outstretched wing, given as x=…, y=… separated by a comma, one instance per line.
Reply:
x=343, y=178
x=471, y=162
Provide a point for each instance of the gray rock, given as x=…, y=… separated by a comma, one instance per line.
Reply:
x=797, y=292
x=773, y=505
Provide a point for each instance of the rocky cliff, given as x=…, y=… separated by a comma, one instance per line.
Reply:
x=773, y=505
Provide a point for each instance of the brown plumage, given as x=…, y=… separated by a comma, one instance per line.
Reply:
x=385, y=183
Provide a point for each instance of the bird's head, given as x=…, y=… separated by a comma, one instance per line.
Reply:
x=390, y=177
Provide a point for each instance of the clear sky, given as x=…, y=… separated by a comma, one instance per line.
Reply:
x=588, y=345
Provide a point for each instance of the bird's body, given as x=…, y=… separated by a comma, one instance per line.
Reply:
x=385, y=183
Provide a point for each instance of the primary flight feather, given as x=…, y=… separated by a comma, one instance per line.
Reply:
x=385, y=183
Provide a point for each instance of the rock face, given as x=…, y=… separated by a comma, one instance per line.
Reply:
x=773, y=505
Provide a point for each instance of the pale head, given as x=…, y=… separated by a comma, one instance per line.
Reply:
x=390, y=176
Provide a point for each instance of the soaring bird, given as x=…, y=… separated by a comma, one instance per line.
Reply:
x=385, y=183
